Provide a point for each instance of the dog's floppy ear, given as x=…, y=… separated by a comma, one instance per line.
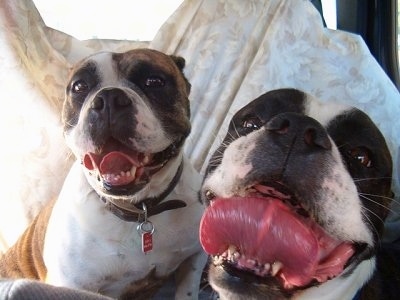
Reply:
x=180, y=63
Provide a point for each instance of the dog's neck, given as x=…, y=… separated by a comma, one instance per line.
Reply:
x=147, y=207
x=344, y=287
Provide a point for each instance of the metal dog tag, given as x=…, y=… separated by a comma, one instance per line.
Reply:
x=146, y=230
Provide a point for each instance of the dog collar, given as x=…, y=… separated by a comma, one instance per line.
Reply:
x=154, y=205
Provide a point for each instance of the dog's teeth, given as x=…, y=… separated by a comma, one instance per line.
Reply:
x=263, y=270
x=231, y=250
x=235, y=257
x=133, y=171
x=146, y=159
x=217, y=260
x=251, y=262
x=267, y=267
x=276, y=267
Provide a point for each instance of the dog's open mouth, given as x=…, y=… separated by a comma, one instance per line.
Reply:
x=267, y=235
x=118, y=165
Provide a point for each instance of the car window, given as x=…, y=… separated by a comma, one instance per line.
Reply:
x=135, y=20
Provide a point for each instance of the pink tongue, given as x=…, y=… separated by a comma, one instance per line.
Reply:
x=111, y=166
x=115, y=162
x=263, y=229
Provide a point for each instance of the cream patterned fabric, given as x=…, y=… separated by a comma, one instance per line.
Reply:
x=235, y=50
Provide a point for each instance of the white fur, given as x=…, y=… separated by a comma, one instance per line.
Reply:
x=88, y=247
x=343, y=288
x=225, y=179
x=323, y=111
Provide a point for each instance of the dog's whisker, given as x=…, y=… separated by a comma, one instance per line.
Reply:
x=370, y=178
x=237, y=133
x=364, y=196
x=392, y=199
x=341, y=145
x=373, y=213
x=379, y=196
x=365, y=214
x=216, y=159
x=215, y=162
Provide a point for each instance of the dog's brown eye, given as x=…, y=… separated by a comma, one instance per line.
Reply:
x=154, y=82
x=80, y=87
x=252, y=123
x=362, y=155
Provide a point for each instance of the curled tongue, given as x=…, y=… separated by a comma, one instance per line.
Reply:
x=265, y=230
x=116, y=168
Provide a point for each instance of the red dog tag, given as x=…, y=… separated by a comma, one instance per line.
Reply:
x=147, y=242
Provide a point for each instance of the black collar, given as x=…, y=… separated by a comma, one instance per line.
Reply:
x=134, y=213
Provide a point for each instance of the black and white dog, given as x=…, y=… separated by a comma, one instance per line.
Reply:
x=128, y=214
x=297, y=194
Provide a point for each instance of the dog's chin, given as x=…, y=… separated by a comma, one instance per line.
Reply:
x=231, y=283
x=120, y=172
x=266, y=245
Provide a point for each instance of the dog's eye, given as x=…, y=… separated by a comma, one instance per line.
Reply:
x=252, y=123
x=362, y=155
x=154, y=81
x=80, y=87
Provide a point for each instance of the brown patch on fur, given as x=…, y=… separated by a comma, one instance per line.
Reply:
x=144, y=288
x=25, y=258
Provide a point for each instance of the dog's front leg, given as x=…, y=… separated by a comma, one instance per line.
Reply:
x=188, y=276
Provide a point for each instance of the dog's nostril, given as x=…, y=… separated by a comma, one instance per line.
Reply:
x=315, y=137
x=278, y=125
x=309, y=136
x=110, y=99
x=97, y=103
x=121, y=101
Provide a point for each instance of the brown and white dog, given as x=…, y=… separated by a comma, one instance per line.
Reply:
x=297, y=194
x=128, y=213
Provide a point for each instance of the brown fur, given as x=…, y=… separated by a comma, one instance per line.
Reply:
x=25, y=258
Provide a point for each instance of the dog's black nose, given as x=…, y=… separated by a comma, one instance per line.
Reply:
x=294, y=126
x=111, y=100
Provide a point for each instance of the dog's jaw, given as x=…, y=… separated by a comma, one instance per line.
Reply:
x=337, y=288
x=343, y=287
